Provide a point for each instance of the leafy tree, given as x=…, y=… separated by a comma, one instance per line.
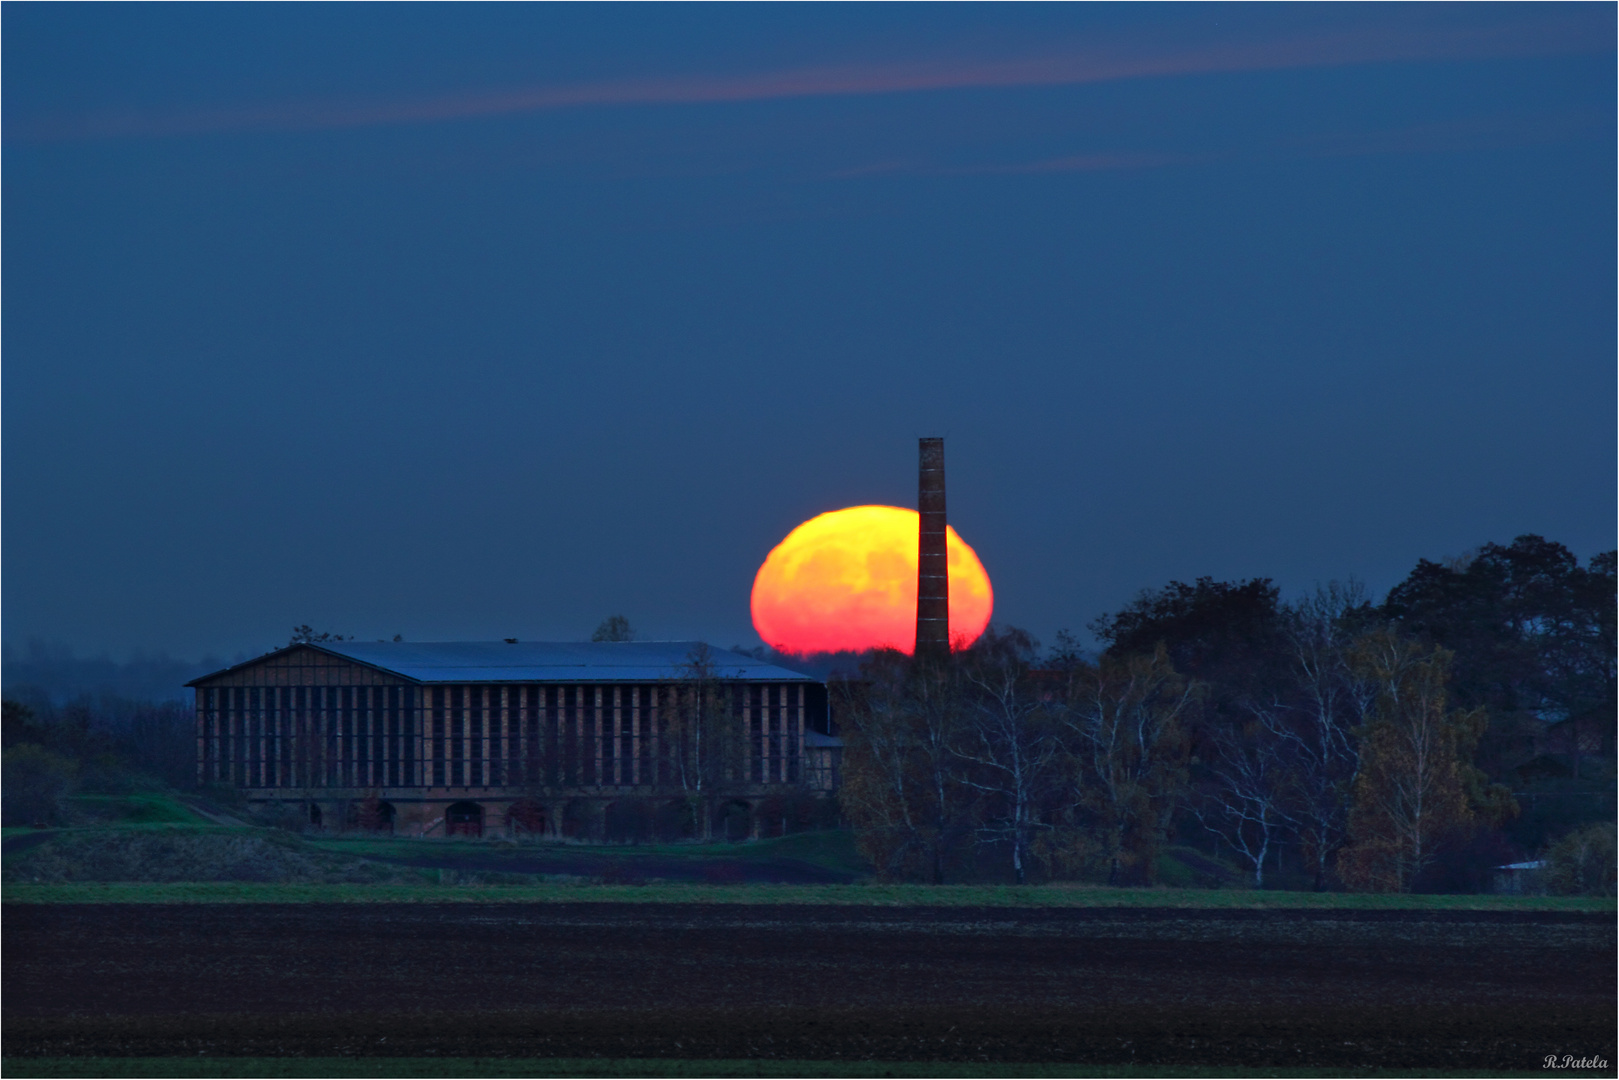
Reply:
x=19, y=723
x=35, y=785
x=1229, y=638
x=1065, y=653
x=1583, y=862
x=161, y=739
x=901, y=788
x=1416, y=782
x=113, y=743
x=614, y=628
x=1227, y=635
x=1128, y=720
x=306, y=634
x=1533, y=637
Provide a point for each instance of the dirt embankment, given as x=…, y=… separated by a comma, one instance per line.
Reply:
x=1392, y=989
x=269, y=855
x=184, y=855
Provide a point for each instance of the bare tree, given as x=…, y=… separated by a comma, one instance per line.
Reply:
x=937, y=719
x=1248, y=780
x=1008, y=743
x=306, y=633
x=703, y=741
x=614, y=628
x=1127, y=721
x=901, y=790
x=1329, y=700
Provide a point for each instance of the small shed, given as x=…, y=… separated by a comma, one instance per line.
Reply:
x=1520, y=878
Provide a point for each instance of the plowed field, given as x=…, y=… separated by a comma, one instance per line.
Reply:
x=1401, y=990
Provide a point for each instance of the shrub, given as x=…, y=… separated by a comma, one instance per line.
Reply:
x=1583, y=862
x=1466, y=861
x=179, y=854
x=35, y=785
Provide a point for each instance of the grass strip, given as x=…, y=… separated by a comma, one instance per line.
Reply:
x=652, y=1067
x=1055, y=895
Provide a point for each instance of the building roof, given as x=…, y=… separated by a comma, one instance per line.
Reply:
x=539, y=661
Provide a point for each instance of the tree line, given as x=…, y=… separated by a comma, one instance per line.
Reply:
x=1376, y=746
x=97, y=745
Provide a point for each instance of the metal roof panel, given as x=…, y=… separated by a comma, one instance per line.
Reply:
x=545, y=661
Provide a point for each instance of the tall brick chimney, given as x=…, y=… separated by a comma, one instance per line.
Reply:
x=932, y=568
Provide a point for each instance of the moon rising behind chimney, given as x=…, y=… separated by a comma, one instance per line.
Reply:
x=846, y=580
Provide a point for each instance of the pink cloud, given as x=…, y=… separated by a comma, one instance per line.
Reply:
x=1076, y=64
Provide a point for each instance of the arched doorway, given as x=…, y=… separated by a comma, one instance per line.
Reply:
x=314, y=815
x=463, y=819
x=674, y=820
x=770, y=817
x=628, y=821
x=371, y=814
x=576, y=820
x=735, y=821
x=526, y=817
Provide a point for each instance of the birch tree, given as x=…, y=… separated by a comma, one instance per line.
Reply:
x=1415, y=764
x=703, y=736
x=901, y=790
x=1127, y=719
x=1008, y=745
x=1329, y=700
x=1246, y=804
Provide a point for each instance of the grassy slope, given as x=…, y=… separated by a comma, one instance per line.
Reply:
x=833, y=850
x=609, y=1067
x=145, y=808
x=154, y=814
x=1059, y=895
x=157, y=848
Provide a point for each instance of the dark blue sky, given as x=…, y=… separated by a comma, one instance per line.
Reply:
x=485, y=321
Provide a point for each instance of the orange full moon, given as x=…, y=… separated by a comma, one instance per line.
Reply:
x=846, y=580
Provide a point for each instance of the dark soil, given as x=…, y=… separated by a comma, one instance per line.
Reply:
x=1397, y=990
x=21, y=842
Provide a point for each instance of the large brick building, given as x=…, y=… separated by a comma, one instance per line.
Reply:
x=587, y=739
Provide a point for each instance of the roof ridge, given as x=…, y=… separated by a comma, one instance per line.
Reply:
x=449, y=662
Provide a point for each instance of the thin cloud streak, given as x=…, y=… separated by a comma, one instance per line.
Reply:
x=1098, y=162
x=1507, y=131
x=1078, y=66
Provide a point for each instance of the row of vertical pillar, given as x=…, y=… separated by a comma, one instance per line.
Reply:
x=487, y=736
x=307, y=736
